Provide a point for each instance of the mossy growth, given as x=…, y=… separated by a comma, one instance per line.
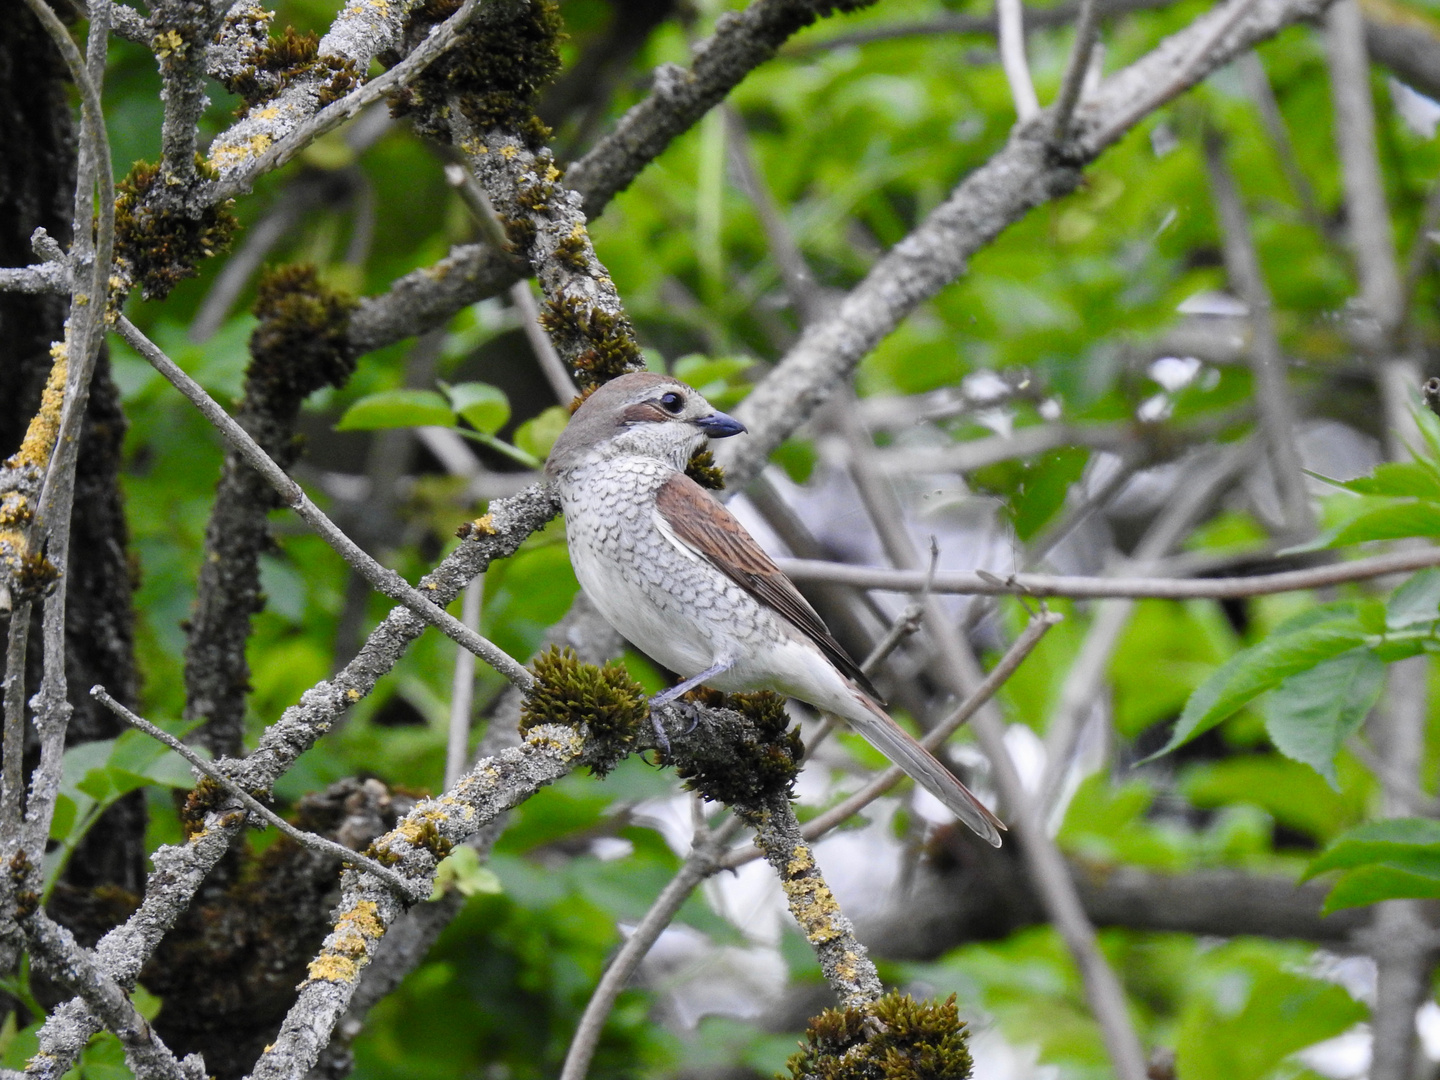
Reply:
x=282, y=60
x=744, y=772
x=303, y=340
x=598, y=345
x=502, y=60
x=157, y=241
x=603, y=701
x=895, y=1038
x=703, y=470
x=204, y=797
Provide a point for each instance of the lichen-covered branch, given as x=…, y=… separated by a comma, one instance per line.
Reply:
x=842, y=958
x=299, y=346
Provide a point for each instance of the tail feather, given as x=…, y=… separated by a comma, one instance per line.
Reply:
x=881, y=732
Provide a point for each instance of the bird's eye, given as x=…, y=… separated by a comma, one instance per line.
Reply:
x=672, y=403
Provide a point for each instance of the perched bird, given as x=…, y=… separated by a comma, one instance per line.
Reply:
x=673, y=571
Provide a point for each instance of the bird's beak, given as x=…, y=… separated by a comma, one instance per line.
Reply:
x=719, y=426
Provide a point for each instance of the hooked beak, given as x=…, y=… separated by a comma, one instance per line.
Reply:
x=719, y=426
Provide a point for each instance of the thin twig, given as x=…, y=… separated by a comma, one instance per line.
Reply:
x=1077, y=68
x=1012, y=59
x=703, y=860
x=384, y=580
x=462, y=688
x=1091, y=588
x=1022, y=647
x=554, y=369
x=1277, y=411
x=405, y=889
x=1257, y=83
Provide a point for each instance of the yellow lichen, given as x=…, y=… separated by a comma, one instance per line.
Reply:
x=484, y=525
x=508, y=152
x=336, y=969
x=39, y=441
x=169, y=43
x=352, y=694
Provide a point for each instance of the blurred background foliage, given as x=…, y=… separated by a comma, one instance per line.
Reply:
x=856, y=141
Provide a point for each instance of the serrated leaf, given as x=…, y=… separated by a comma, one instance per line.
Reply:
x=484, y=407
x=1389, y=523
x=1415, y=602
x=1311, y=714
x=397, y=409
x=1248, y=674
x=1397, y=479
x=1409, y=843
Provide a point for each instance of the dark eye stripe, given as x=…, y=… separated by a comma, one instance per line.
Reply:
x=644, y=412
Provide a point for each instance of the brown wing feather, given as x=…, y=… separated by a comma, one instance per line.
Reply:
x=709, y=529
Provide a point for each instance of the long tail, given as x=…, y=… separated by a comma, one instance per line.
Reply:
x=881, y=732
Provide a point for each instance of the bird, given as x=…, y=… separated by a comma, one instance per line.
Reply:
x=674, y=572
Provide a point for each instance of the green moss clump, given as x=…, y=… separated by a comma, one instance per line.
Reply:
x=896, y=1038
x=303, y=340
x=156, y=241
x=703, y=470
x=605, y=701
x=502, y=60
x=744, y=773
x=601, y=346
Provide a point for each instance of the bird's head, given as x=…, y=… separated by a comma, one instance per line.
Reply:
x=640, y=415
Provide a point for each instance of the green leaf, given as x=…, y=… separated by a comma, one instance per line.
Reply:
x=1248, y=674
x=1372, y=884
x=1249, y=1014
x=1409, y=843
x=396, y=409
x=537, y=435
x=484, y=407
x=1311, y=714
x=1389, y=523
x=461, y=870
x=1385, y=860
x=1415, y=602
x=1397, y=479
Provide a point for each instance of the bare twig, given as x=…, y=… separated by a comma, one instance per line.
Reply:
x=1090, y=588
x=1277, y=412
x=462, y=688
x=384, y=580
x=1077, y=68
x=312, y=841
x=554, y=369
x=703, y=860
x=1022, y=647
x=1257, y=83
x=1012, y=59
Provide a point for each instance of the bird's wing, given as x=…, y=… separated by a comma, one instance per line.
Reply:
x=702, y=524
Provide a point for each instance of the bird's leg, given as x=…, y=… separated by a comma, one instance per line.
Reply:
x=667, y=696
